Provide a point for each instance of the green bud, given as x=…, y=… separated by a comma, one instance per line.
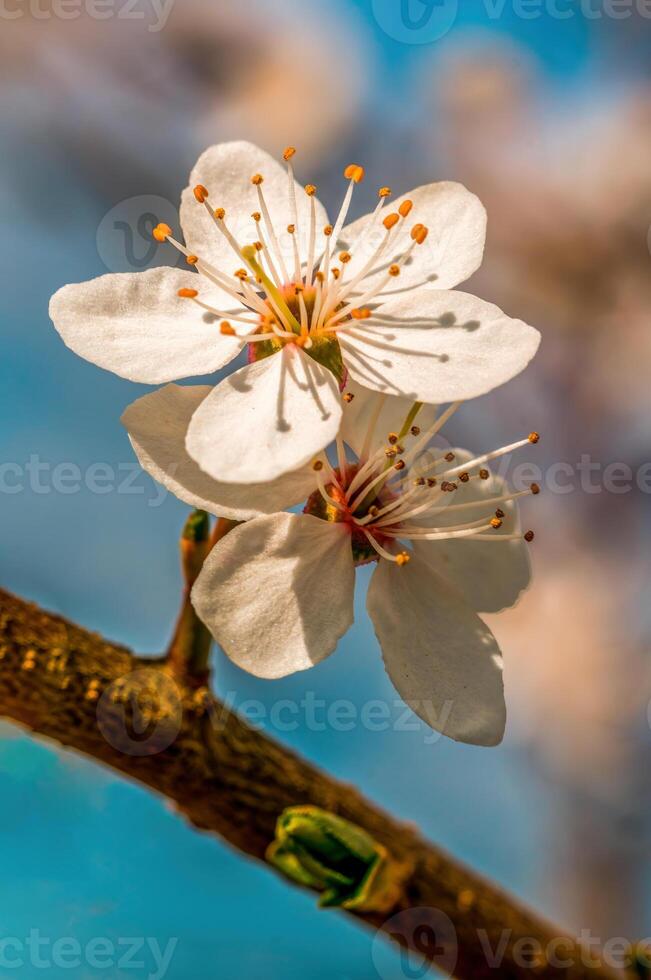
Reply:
x=323, y=851
x=197, y=526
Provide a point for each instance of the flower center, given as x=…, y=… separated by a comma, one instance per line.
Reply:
x=301, y=302
x=334, y=507
x=402, y=491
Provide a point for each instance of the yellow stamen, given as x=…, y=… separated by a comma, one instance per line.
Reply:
x=161, y=232
x=249, y=256
x=419, y=233
x=402, y=558
x=354, y=172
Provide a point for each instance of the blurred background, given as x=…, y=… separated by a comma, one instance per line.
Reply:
x=545, y=112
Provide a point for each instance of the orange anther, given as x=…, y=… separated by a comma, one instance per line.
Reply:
x=200, y=193
x=384, y=192
x=405, y=208
x=327, y=231
x=161, y=232
x=192, y=259
x=391, y=220
x=291, y=229
x=310, y=190
x=257, y=179
x=394, y=270
x=534, y=437
x=402, y=558
x=289, y=152
x=187, y=293
x=219, y=213
x=256, y=216
x=226, y=328
x=419, y=233
x=354, y=172
x=344, y=257
x=362, y=314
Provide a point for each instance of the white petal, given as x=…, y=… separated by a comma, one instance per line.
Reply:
x=361, y=411
x=490, y=576
x=452, y=251
x=157, y=425
x=277, y=593
x=437, y=346
x=266, y=419
x=136, y=325
x=226, y=171
x=442, y=659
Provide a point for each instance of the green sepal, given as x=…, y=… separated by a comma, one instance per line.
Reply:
x=324, y=851
x=326, y=351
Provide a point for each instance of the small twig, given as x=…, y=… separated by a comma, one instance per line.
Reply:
x=188, y=654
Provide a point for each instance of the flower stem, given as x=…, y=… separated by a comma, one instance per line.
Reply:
x=189, y=651
x=188, y=654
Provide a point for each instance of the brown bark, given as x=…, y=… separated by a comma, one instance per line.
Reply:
x=94, y=696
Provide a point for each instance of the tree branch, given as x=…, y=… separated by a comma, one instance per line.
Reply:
x=137, y=716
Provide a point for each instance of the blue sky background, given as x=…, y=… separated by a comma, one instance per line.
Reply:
x=86, y=854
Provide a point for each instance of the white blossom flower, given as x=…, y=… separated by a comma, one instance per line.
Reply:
x=277, y=591
x=269, y=273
